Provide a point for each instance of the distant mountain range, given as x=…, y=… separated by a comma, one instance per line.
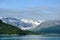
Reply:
x=48, y=27
x=43, y=26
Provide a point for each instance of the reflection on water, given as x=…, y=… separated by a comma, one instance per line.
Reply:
x=30, y=37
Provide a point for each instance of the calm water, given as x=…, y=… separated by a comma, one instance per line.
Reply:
x=31, y=37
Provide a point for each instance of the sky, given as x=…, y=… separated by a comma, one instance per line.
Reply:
x=31, y=9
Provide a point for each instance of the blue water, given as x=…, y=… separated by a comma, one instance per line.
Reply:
x=30, y=37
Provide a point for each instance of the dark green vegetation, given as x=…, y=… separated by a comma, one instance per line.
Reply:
x=9, y=29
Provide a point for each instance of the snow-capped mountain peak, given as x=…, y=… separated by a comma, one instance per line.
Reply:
x=24, y=24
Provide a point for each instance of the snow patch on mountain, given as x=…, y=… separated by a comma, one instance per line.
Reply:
x=1, y=17
x=30, y=21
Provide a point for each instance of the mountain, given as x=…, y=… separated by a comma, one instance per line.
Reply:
x=9, y=29
x=51, y=30
x=24, y=24
x=38, y=26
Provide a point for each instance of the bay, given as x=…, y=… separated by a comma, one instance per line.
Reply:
x=30, y=37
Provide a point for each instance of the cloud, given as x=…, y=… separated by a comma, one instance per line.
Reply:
x=33, y=13
x=45, y=10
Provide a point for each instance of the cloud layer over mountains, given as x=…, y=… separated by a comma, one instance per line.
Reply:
x=42, y=12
